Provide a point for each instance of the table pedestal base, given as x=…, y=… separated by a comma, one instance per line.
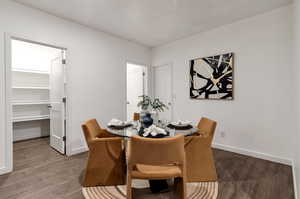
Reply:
x=158, y=186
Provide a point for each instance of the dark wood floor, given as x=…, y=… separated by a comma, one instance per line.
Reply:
x=42, y=173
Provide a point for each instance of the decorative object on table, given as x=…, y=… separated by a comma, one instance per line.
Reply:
x=157, y=106
x=136, y=117
x=154, y=132
x=180, y=125
x=151, y=106
x=118, y=124
x=147, y=120
x=203, y=190
x=212, y=77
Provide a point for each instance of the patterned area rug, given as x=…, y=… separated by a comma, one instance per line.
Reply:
x=203, y=190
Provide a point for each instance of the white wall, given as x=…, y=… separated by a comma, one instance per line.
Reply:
x=297, y=88
x=32, y=57
x=96, y=67
x=260, y=117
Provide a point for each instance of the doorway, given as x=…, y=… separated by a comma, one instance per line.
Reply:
x=36, y=80
x=163, y=89
x=137, y=85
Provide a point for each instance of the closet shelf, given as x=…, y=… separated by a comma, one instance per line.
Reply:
x=34, y=88
x=20, y=103
x=30, y=71
x=30, y=118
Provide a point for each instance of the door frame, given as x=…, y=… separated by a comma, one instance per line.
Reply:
x=173, y=97
x=8, y=37
x=148, y=81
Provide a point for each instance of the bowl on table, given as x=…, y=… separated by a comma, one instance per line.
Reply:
x=118, y=124
x=180, y=125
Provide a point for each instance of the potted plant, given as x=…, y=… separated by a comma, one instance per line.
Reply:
x=145, y=103
x=157, y=106
x=151, y=108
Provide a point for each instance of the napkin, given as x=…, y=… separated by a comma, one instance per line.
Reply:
x=154, y=131
x=116, y=122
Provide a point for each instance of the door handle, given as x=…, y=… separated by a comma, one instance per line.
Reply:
x=169, y=103
x=49, y=107
x=127, y=102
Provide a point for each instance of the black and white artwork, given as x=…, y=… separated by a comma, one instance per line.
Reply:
x=212, y=77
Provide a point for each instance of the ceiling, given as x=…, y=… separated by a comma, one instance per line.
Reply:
x=154, y=22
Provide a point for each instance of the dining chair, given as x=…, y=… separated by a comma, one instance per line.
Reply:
x=106, y=159
x=136, y=116
x=157, y=159
x=199, y=155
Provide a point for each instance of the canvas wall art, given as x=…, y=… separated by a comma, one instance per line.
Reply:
x=212, y=77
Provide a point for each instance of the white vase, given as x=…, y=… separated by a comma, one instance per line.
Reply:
x=155, y=117
x=144, y=112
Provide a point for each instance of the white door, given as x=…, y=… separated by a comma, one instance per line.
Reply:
x=162, y=89
x=136, y=86
x=57, y=108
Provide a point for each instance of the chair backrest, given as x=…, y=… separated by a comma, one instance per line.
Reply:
x=136, y=116
x=91, y=130
x=156, y=151
x=208, y=126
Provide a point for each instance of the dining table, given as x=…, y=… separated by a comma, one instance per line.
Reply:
x=134, y=129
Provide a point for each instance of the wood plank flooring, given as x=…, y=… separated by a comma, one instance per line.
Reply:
x=42, y=173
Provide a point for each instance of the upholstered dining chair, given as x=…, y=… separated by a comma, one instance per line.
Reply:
x=157, y=159
x=106, y=159
x=136, y=116
x=199, y=155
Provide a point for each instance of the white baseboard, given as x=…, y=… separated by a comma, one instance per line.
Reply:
x=4, y=170
x=78, y=150
x=246, y=152
x=254, y=154
x=295, y=180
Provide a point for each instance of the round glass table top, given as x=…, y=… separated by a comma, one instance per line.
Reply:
x=134, y=131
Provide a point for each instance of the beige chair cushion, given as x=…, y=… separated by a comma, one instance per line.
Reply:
x=161, y=172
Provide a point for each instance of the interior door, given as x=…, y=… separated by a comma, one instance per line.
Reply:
x=162, y=89
x=57, y=107
x=136, y=86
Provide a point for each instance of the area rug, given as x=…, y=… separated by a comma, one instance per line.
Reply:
x=203, y=190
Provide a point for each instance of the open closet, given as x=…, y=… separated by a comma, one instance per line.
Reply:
x=38, y=97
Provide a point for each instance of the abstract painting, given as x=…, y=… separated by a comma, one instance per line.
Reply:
x=212, y=77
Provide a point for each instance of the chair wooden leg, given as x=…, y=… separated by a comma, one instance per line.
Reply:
x=180, y=188
x=129, y=189
x=88, y=178
x=184, y=189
